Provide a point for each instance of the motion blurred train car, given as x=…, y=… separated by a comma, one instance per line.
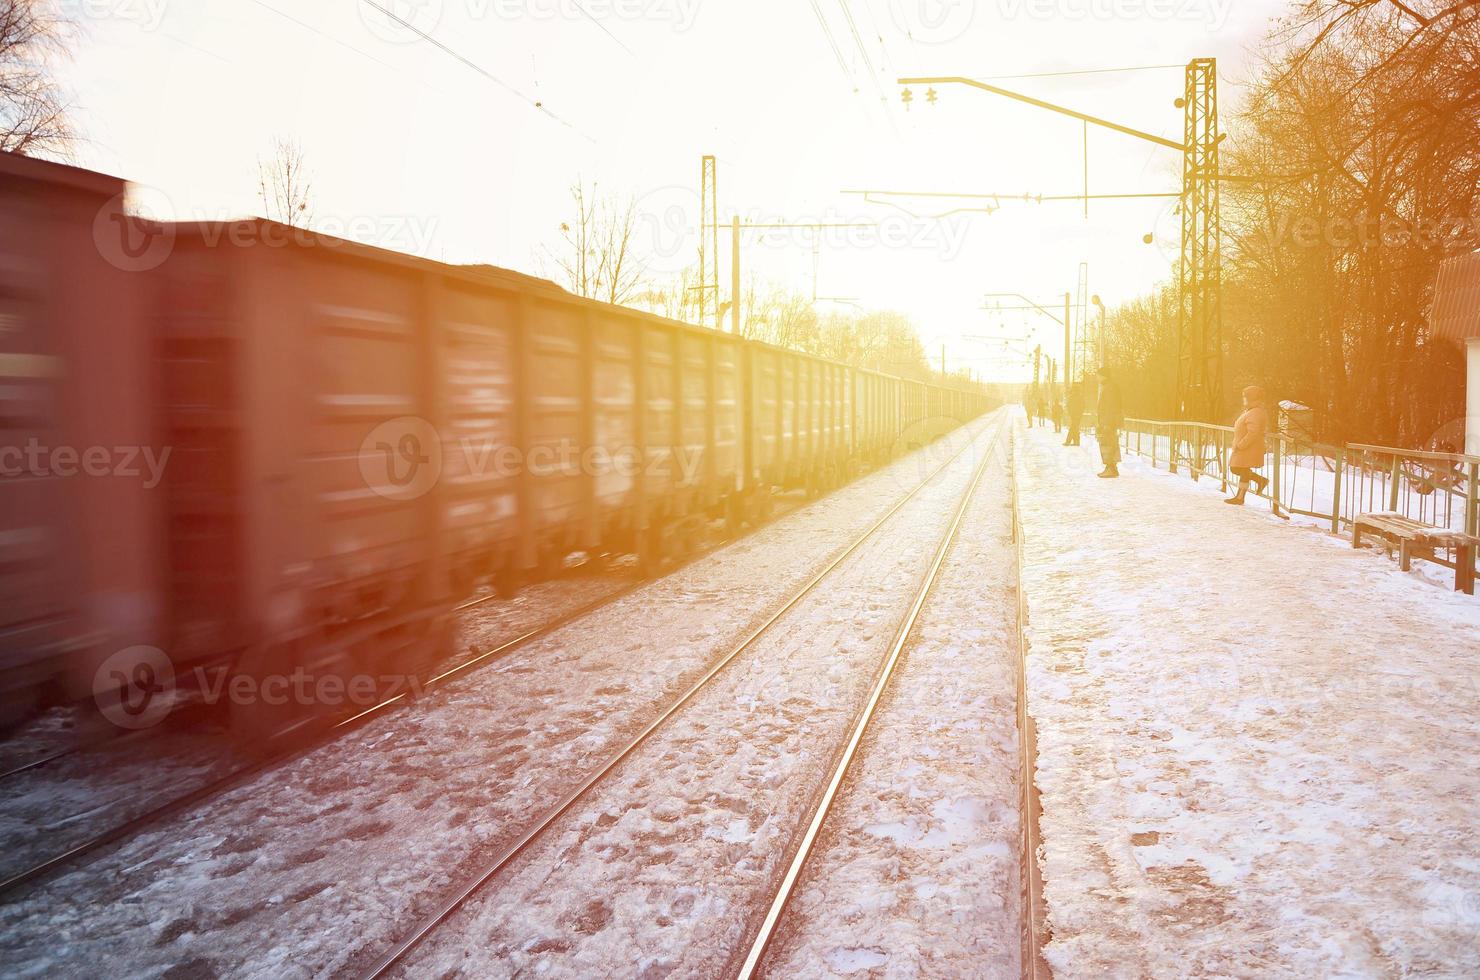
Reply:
x=79, y=525
x=352, y=440
x=302, y=394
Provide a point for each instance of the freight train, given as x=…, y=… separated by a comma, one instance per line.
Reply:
x=244, y=445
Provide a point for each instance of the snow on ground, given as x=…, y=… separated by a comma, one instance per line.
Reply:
x=1256, y=747
x=669, y=865
x=72, y=799
x=315, y=868
x=915, y=873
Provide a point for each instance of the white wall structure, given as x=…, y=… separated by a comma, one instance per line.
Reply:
x=1472, y=397
x=1455, y=315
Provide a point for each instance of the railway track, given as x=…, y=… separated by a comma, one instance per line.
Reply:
x=761, y=942
x=19, y=882
x=494, y=865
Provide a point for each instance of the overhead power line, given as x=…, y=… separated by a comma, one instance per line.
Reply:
x=604, y=29
x=328, y=37
x=833, y=43
x=535, y=103
x=868, y=63
x=1083, y=71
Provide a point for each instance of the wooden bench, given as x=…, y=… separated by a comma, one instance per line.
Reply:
x=1422, y=540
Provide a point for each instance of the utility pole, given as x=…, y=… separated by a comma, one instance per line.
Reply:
x=735, y=275
x=1037, y=361
x=735, y=225
x=1068, y=343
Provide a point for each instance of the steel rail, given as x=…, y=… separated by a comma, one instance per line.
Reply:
x=279, y=759
x=1034, y=966
x=476, y=660
x=492, y=867
x=788, y=882
x=51, y=866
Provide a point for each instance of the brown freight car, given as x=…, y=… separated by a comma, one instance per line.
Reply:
x=357, y=438
x=79, y=459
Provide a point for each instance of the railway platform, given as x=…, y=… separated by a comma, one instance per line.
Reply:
x=1255, y=747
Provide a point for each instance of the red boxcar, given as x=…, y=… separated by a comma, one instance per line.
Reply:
x=79, y=453
x=349, y=440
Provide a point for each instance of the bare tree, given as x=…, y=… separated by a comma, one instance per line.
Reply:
x=599, y=259
x=285, y=185
x=677, y=299
x=779, y=316
x=33, y=109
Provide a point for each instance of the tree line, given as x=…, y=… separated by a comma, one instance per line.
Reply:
x=600, y=256
x=1362, y=126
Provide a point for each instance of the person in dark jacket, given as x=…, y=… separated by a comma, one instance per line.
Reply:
x=1107, y=426
x=1075, y=408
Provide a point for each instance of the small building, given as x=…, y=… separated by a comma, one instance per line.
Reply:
x=1455, y=316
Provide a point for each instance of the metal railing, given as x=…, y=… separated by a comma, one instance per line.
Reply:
x=1332, y=484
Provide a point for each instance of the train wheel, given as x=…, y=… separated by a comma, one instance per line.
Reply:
x=650, y=550
x=431, y=651
x=18, y=705
x=506, y=582
x=267, y=711
x=734, y=513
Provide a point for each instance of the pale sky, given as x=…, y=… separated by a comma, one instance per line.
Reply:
x=415, y=151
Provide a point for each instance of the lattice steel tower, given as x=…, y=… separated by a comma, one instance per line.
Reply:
x=1086, y=346
x=1200, y=285
x=709, y=241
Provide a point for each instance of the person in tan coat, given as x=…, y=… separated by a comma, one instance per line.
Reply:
x=1248, y=444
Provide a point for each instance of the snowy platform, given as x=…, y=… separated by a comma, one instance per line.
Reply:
x=1257, y=748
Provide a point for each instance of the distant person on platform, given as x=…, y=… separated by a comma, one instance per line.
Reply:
x=1043, y=397
x=1030, y=402
x=1248, y=444
x=1107, y=427
x=1075, y=408
x=1056, y=407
